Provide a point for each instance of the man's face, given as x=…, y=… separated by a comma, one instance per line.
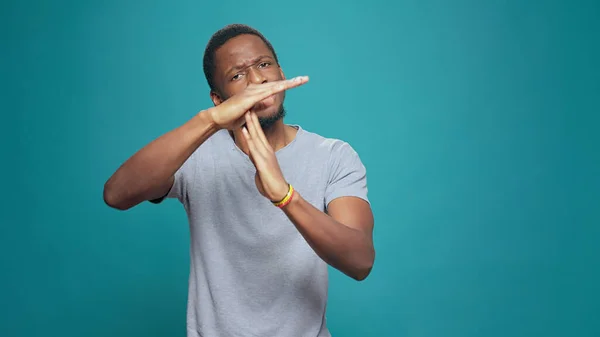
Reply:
x=245, y=61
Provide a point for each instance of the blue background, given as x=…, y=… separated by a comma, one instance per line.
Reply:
x=477, y=121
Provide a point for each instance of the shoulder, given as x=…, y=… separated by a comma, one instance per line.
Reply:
x=335, y=148
x=345, y=173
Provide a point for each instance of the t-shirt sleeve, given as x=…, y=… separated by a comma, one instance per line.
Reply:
x=184, y=179
x=347, y=174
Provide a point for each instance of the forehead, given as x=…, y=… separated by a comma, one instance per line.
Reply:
x=239, y=50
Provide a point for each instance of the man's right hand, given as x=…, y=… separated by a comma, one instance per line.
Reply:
x=230, y=114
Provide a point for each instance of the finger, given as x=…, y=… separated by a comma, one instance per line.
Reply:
x=259, y=131
x=240, y=122
x=289, y=84
x=247, y=119
x=250, y=142
x=271, y=88
x=254, y=131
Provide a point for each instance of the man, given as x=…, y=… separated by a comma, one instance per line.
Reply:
x=270, y=205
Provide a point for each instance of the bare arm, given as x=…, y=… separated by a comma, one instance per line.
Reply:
x=149, y=173
x=343, y=235
x=342, y=238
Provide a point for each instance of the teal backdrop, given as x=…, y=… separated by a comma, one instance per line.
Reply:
x=477, y=122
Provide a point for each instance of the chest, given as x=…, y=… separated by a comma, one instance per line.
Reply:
x=231, y=179
x=230, y=208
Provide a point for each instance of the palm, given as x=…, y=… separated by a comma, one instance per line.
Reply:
x=230, y=113
x=268, y=178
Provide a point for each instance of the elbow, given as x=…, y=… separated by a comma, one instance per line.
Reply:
x=363, y=270
x=361, y=275
x=111, y=198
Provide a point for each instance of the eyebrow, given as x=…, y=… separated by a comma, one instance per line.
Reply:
x=246, y=63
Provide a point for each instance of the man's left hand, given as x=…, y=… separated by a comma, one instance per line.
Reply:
x=269, y=178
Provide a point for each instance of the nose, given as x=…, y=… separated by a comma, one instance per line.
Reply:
x=256, y=77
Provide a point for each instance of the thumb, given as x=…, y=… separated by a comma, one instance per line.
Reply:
x=239, y=122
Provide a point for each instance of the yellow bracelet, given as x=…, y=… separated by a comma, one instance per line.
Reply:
x=288, y=197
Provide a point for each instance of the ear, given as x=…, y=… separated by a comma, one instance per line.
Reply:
x=216, y=99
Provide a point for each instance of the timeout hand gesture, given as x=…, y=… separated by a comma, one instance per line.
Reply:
x=230, y=114
x=269, y=178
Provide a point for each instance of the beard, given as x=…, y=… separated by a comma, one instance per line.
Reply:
x=268, y=121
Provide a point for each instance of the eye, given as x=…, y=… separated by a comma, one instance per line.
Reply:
x=236, y=77
x=264, y=64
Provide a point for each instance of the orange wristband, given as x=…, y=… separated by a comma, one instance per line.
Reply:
x=287, y=199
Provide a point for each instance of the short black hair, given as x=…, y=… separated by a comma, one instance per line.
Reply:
x=218, y=39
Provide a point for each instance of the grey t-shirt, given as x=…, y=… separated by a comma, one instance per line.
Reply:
x=252, y=273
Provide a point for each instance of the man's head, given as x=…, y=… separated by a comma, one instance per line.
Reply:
x=238, y=56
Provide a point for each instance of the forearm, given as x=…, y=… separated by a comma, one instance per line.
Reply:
x=347, y=249
x=146, y=174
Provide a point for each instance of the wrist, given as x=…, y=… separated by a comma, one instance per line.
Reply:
x=292, y=204
x=197, y=129
x=281, y=193
x=286, y=199
x=205, y=117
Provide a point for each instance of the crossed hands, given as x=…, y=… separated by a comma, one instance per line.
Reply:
x=269, y=178
x=236, y=112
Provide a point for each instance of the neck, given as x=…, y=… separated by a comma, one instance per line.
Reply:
x=278, y=135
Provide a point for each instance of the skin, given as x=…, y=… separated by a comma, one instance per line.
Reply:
x=250, y=87
x=246, y=61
